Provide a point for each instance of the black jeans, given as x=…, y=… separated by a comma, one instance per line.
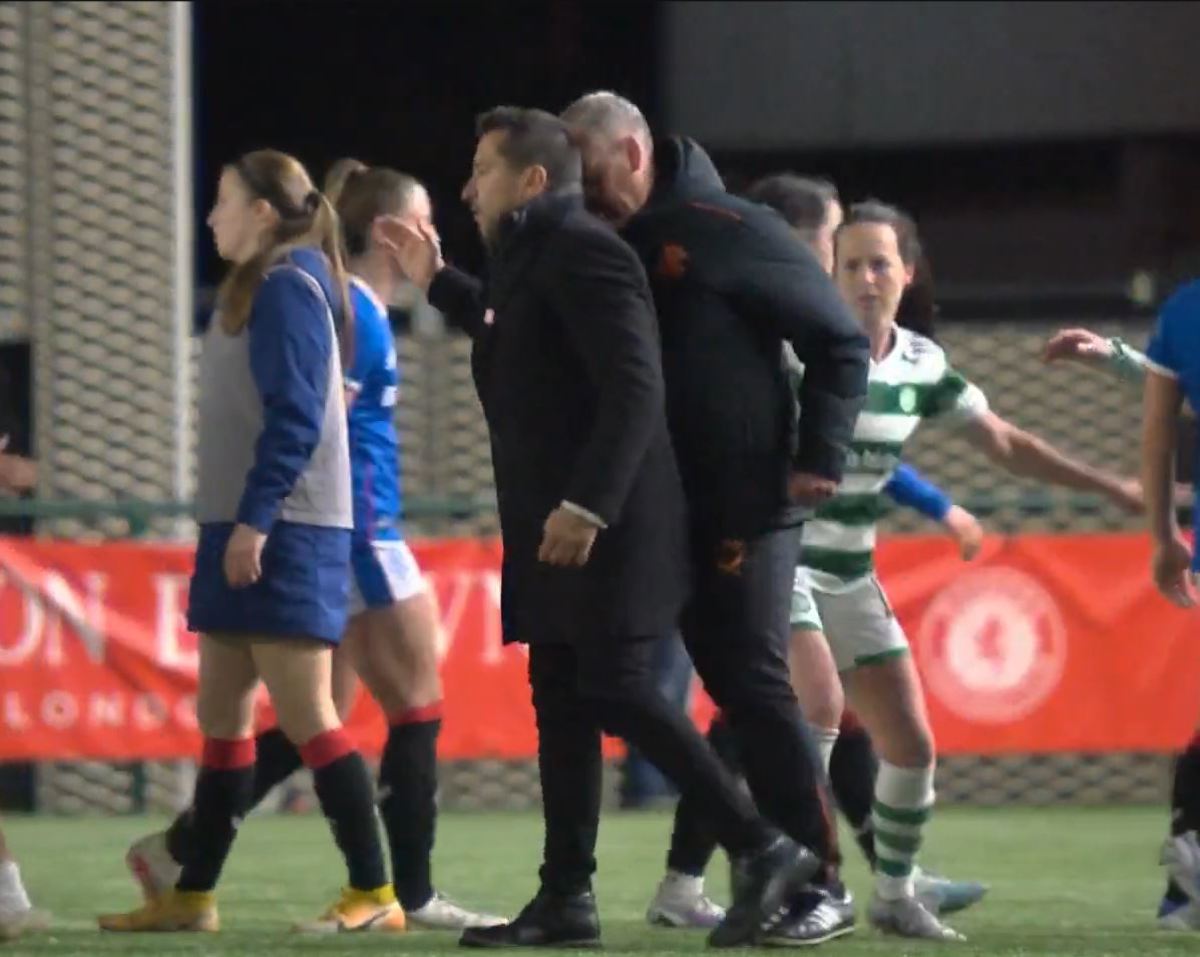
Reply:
x=737, y=631
x=579, y=690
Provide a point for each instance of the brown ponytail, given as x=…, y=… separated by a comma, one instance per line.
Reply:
x=339, y=175
x=361, y=194
x=306, y=218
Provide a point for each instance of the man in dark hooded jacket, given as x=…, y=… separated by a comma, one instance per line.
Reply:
x=731, y=284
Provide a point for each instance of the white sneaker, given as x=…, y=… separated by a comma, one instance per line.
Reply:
x=1181, y=857
x=441, y=913
x=907, y=917
x=152, y=865
x=941, y=895
x=14, y=923
x=680, y=901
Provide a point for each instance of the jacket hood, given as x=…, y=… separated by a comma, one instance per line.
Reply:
x=683, y=169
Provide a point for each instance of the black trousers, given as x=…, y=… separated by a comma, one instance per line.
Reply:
x=737, y=630
x=584, y=688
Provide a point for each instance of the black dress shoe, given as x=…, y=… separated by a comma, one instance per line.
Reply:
x=763, y=885
x=549, y=920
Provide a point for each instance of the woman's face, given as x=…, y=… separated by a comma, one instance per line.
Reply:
x=239, y=222
x=870, y=272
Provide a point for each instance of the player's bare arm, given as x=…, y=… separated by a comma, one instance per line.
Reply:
x=1026, y=455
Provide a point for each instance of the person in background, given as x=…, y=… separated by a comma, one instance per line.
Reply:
x=18, y=473
x=642, y=784
x=269, y=594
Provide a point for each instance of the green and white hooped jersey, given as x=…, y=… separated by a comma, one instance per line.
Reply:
x=911, y=383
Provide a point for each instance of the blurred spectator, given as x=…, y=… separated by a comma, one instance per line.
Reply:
x=18, y=470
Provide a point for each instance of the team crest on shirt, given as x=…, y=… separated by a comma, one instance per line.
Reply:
x=992, y=646
x=908, y=400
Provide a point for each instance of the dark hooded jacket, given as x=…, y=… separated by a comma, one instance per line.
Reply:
x=731, y=283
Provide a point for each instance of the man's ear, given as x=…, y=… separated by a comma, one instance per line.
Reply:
x=634, y=152
x=534, y=180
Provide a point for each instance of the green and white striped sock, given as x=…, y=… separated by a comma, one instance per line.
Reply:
x=903, y=802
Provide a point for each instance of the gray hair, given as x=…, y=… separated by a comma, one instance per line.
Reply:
x=802, y=200
x=609, y=114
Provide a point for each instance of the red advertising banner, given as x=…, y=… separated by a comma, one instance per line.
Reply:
x=1044, y=643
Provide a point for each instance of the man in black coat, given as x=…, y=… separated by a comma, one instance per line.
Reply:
x=567, y=366
x=731, y=284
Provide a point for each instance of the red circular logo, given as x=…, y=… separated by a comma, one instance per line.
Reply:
x=992, y=645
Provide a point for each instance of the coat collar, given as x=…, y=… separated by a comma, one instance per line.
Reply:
x=518, y=242
x=536, y=216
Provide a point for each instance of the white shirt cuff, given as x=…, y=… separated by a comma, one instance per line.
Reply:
x=584, y=513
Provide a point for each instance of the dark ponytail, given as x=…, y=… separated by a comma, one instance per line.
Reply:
x=918, y=309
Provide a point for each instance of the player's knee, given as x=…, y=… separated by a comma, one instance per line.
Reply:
x=344, y=706
x=344, y=687
x=303, y=717
x=823, y=711
x=914, y=749
x=398, y=659
x=418, y=682
x=222, y=715
x=226, y=725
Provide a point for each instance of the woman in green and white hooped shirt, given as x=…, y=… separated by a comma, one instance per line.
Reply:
x=837, y=591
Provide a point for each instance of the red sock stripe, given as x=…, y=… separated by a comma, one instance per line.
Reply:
x=429, y=712
x=224, y=754
x=850, y=722
x=326, y=748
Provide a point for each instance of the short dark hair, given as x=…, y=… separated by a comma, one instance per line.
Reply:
x=801, y=200
x=883, y=214
x=535, y=138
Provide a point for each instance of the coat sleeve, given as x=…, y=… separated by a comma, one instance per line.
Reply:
x=778, y=281
x=597, y=288
x=460, y=298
